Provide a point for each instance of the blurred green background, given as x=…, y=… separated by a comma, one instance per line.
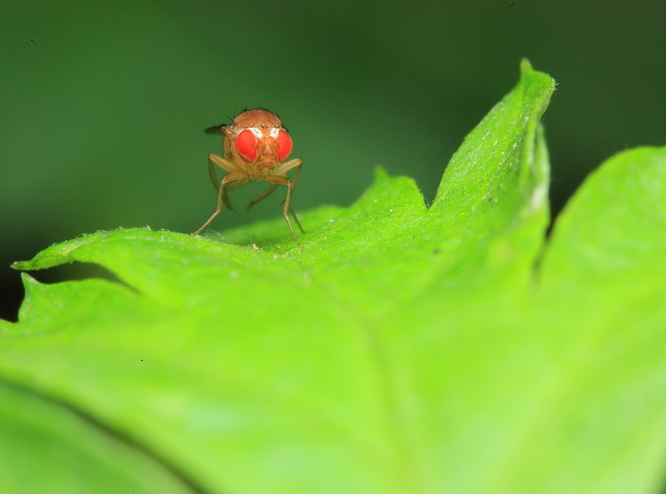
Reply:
x=104, y=103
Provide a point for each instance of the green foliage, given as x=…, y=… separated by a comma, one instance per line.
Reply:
x=405, y=349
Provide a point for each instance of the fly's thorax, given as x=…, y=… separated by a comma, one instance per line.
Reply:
x=257, y=118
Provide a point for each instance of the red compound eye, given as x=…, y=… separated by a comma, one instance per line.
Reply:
x=246, y=145
x=284, y=146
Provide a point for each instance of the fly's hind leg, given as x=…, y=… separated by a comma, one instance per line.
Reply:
x=296, y=220
x=262, y=196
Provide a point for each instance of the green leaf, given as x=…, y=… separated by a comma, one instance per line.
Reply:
x=46, y=448
x=404, y=349
x=601, y=299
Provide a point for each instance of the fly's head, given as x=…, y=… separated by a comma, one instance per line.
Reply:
x=258, y=139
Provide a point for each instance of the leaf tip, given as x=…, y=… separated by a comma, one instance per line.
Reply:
x=380, y=174
x=527, y=71
x=525, y=67
x=16, y=265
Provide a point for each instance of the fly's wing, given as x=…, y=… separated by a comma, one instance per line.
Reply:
x=215, y=129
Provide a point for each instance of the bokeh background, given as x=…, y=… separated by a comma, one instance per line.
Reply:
x=103, y=104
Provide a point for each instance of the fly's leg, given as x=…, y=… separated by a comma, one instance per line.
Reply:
x=262, y=196
x=287, y=202
x=293, y=186
x=285, y=213
x=296, y=220
x=280, y=180
x=282, y=170
x=231, y=181
x=269, y=191
x=226, y=165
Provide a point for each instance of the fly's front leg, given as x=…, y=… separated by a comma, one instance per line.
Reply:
x=297, y=173
x=287, y=208
x=285, y=167
x=279, y=180
x=236, y=179
x=293, y=186
x=282, y=170
x=227, y=166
